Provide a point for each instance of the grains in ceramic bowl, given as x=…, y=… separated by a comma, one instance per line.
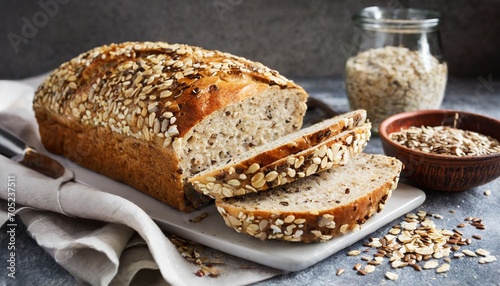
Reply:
x=446, y=140
x=446, y=150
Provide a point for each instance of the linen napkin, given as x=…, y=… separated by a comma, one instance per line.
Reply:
x=100, y=238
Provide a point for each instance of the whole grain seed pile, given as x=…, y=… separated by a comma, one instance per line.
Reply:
x=416, y=242
x=390, y=80
x=446, y=140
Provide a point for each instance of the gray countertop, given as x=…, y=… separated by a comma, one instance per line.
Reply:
x=480, y=95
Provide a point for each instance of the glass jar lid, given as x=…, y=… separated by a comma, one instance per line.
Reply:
x=399, y=20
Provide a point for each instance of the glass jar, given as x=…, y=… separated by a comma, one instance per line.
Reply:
x=396, y=62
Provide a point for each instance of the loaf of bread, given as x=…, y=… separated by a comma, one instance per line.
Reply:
x=254, y=171
x=152, y=115
x=319, y=207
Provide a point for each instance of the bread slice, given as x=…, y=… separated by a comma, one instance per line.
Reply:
x=219, y=181
x=247, y=176
x=319, y=207
x=152, y=114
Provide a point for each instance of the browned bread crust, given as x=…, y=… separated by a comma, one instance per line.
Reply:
x=319, y=207
x=130, y=111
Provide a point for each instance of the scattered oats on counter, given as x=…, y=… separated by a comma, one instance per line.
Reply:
x=417, y=242
x=389, y=80
x=354, y=252
x=188, y=251
x=391, y=276
x=446, y=140
x=443, y=268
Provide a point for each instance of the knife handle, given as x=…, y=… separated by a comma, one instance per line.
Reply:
x=10, y=144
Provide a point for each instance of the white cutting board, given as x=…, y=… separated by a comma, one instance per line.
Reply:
x=214, y=233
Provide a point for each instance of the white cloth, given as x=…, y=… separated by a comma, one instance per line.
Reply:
x=100, y=238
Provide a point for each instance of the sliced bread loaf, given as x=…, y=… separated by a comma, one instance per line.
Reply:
x=152, y=114
x=319, y=207
x=247, y=175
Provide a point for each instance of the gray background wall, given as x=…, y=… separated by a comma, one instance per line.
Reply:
x=299, y=38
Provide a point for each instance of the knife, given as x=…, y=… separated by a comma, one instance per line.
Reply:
x=17, y=150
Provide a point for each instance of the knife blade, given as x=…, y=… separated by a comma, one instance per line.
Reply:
x=14, y=148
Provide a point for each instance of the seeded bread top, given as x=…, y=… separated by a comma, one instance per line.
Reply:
x=151, y=90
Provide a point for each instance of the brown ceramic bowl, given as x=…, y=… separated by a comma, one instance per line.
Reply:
x=443, y=172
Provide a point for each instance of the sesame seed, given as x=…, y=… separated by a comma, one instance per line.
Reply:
x=156, y=126
x=173, y=131
x=311, y=169
x=164, y=125
x=291, y=172
x=151, y=119
x=168, y=114
x=316, y=160
x=299, y=162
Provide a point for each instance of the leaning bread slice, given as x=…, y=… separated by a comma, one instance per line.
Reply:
x=293, y=143
x=247, y=176
x=318, y=207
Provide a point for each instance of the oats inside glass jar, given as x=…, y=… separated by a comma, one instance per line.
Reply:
x=389, y=80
